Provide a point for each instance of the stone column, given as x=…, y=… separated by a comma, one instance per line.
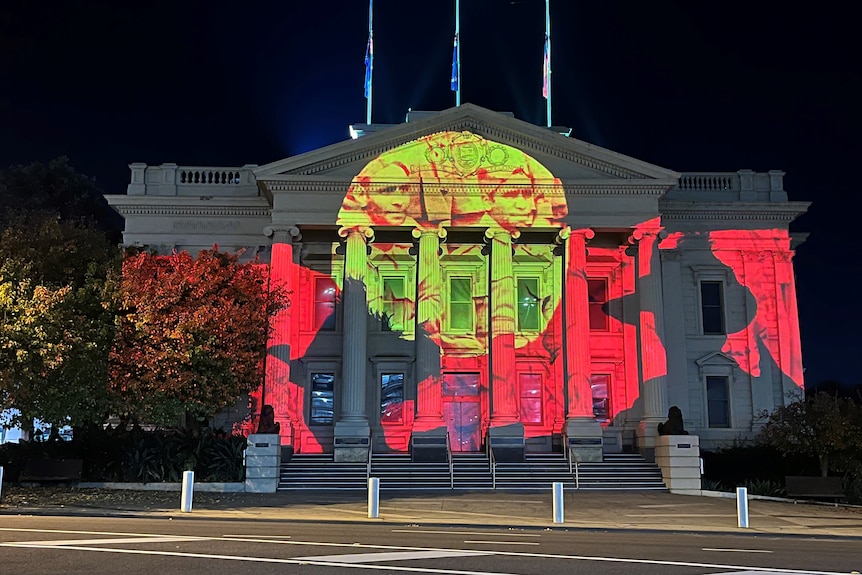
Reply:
x=429, y=308
x=429, y=429
x=583, y=432
x=677, y=366
x=651, y=339
x=277, y=386
x=352, y=431
x=507, y=431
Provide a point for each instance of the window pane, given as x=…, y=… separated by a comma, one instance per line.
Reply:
x=598, y=294
x=528, y=304
x=711, y=308
x=394, y=303
x=322, y=392
x=461, y=304
x=718, y=402
x=530, y=391
x=391, y=397
x=600, y=384
x=324, y=304
x=461, y=384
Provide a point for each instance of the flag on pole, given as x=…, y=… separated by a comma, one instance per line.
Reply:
x=453, y=82
x=369, y=64
x=546, y=68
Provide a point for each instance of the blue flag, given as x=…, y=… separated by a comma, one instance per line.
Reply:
x=369, y=64
x=453, y=82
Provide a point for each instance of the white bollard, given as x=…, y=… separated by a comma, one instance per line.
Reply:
x=373, y=497
x=742, y=506
x=558, y=502
x=188, y=491
x=1, y=482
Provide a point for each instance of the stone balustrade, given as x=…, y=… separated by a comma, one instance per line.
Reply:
x=743, y=185
x=173, y=180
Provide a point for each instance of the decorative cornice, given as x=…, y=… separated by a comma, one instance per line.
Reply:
x=203, y=211
x=743, y=211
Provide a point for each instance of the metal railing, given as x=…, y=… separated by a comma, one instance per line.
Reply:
x=572, y=460
x=492, y=463
x=451, y=462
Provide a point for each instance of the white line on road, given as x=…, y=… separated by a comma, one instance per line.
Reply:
x=393, y=556
x=262, y=536
x=737, y=550
x=486, y=533
x=504, y=542
x=111, y=541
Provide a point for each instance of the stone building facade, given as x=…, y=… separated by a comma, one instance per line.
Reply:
x=467, y=280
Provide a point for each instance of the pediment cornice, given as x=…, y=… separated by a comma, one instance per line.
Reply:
x=486, y=123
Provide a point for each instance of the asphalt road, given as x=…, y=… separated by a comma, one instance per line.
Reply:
x=93, y=546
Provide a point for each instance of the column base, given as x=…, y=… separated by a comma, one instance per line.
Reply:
x=585, y=438
x=429, y=446
x=507, y=442
x=352, y=441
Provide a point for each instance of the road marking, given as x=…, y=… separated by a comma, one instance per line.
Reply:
x=111, y=541
x=262, y=536
x=504, y=542
x=736, y=569
x=486, y=533
x=737, y=550
x=393, y=556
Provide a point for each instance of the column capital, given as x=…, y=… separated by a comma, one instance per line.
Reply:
x=440, y=232
x=565, y=233
x=367, y=233
x=494, y=232
x=642, y=234
x=281, y=232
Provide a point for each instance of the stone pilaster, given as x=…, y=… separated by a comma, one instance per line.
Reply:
x=790, y=358
x=583, y=432
x=352, y=433
x=651, y=339
x=507, y=431
x=677, y=366
x=277, y=386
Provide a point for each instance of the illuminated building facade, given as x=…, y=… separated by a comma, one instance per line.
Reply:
x=469, y=279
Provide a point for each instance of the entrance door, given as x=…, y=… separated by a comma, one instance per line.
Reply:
x=462, y=411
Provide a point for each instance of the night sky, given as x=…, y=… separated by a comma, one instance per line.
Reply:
x=690, y=86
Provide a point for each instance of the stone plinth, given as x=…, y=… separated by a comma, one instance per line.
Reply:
x=507, y=443
x=262, y=463
x=584, y=436
x=678, y=457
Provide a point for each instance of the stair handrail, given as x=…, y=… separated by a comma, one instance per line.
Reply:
x=573, y=460
x=492, y=462
x=451, y=462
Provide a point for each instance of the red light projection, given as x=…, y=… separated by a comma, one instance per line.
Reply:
x=461, y=299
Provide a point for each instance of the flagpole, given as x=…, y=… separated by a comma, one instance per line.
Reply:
x=370, y=64
x=458, y=52
x=548, y=58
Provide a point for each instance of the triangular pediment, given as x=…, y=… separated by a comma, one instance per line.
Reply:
x=716, y=359
x=569, y=159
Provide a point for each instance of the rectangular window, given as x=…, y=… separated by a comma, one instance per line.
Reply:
x=325, y=294
x=461, y=304
x=527, y=304
x=322, y=394
x=530, y=392
x=711, y=307
x=597, y=288
x=717, y=401
x=601, y=384
x=394, y=304
x=391, y=398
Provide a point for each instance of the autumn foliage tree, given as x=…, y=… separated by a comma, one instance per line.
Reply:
x=192, y=333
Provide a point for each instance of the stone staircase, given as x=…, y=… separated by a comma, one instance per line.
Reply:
x=472, y=471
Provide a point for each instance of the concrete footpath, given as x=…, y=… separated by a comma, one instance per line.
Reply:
x=583, y=510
